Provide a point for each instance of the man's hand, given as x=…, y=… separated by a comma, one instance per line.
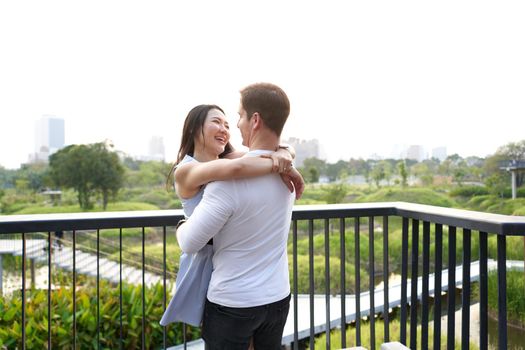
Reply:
x=294, y=181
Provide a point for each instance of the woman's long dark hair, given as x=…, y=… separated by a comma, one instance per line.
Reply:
x=192, y=125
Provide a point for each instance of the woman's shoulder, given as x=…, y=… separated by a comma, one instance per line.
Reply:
x=187, y=159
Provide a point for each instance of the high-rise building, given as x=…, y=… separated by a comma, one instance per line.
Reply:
x=49, y=137
x=156, y=150
x=439, y=153
x=304, y=149
x=416, y=152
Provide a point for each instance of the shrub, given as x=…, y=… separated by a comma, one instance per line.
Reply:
x=515, y=300
x=411, y=195
x=469, y=191
x=86, y=318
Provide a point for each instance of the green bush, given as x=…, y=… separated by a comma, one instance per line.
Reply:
x=118, y=206
x=515, y=300
x=469, y=191
x=303, y=282
x=411, y=195
x=497, y=205
x=86, y=318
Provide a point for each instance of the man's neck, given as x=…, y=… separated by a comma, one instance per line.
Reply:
x=265, y=141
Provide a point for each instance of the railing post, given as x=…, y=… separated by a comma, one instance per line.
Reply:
x=425, y=294
x=502, y=292
x=343, y=280
x=327, y=279
x=1, y=277
x=413, y=285
x=357, y=282
x=164, y=336
x=404, y=278
x=483, y=292
x=437, y=285
x=465, y=295
x=74, y=247
x=49, y=308
x=23, y=291
x=311, y=280
x=386, y=303
x=98, y=289
x=451, y=287
x=121, y=340
x=371, y=271
x=295, y=288
x=143, y=289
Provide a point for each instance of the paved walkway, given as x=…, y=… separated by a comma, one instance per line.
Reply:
x=85, y=263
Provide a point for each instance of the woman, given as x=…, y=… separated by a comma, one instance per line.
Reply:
x=206, y=155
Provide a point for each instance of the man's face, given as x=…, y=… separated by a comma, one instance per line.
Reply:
x=244, y=126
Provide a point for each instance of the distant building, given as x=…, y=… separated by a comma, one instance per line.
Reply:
x=304, y=149
x=416, y=152
x=439, y=153
x=49, y=138
x=399, y=151
x=156, y=150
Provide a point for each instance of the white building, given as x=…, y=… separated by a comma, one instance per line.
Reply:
x=49, y=137
x=155, y=152
x=304, y=149
x=439, y=153
x=416, y=152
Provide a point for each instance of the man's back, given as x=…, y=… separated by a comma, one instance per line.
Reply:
x=250, y=264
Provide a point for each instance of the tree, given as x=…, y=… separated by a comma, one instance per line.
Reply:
x=358, y=166
x=514, y=151
x=35, y=176
x=402, y=170
x=334, y=170
x=335, y=193
x=312, y=175
x=423, y=173
x=88, y=169
x=7, y=177
x=381, y=171
x=146, y=173
x=109, y=172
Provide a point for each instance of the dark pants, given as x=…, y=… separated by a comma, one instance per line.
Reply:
x=231, y=328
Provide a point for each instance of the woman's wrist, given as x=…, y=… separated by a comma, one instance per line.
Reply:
x=286, y=148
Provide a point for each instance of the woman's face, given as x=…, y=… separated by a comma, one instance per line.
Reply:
x=215, y=134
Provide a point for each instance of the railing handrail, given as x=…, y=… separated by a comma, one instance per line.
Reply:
x=89, y=221
x=494, y=223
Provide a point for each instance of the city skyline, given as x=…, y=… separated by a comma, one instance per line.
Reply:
x=152, y=147
x=361, y=77
x=50, y=134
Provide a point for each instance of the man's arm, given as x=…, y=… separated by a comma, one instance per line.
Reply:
x=207, y=219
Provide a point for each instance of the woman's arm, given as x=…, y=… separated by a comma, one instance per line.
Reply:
x=189, y=177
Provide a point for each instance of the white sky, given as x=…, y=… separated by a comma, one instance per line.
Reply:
x=362, y=76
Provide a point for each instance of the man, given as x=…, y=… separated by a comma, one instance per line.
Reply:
x=248, y=219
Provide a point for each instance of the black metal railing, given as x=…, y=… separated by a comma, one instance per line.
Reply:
x=420, y=228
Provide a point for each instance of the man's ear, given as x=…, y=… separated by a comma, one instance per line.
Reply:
x=257, y=121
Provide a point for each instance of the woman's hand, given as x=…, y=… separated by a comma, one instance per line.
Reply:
x=282, y=160
x=294, y=181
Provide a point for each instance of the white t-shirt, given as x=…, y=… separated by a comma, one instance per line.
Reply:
x=249, y=221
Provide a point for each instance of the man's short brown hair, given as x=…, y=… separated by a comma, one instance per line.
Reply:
x=270, y=101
